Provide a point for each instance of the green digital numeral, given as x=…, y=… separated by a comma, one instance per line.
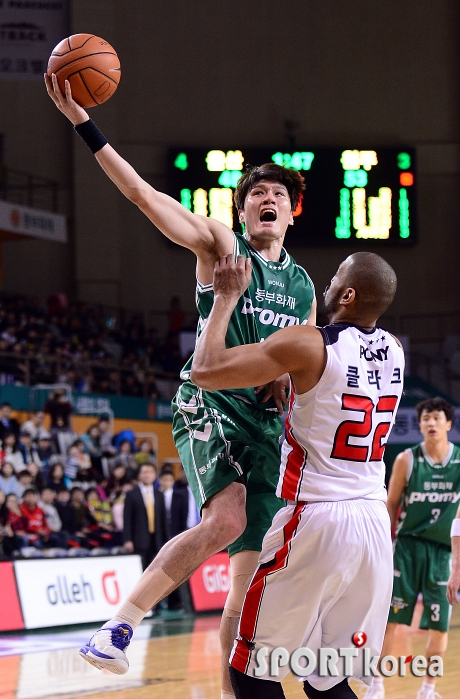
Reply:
x=229, y=178
x=181, y=161
x=404, y=227
x=355, y=178
x=186, y=198
x=404, y=161
x=343, y=222
x=298, y=160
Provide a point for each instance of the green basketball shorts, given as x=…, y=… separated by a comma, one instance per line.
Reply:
x=420, y=566
x=221, y=439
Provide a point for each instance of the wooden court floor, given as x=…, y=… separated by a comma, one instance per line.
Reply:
x=168, y=660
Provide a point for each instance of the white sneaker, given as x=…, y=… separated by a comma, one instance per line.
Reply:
x=375, y=692
x=106, y=649
x=428, y=694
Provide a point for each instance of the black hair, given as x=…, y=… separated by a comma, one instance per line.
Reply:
x=12, y=466
x=147, y=463
x=288, y=176
x=53, y=468
x=24, y=472
x=431, y=404
x=29, y=490
x=75, y=488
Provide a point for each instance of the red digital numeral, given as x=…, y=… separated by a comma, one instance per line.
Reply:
x=342, y=449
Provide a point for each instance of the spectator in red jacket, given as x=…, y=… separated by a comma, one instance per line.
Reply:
x=37, y=529
x=16, y=521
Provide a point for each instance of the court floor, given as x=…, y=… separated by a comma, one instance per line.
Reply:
x=169, y=658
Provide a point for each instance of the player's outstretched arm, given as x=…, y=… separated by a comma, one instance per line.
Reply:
x=208, y=238
x=297, y=350
x=453, y=584
x=397, y=485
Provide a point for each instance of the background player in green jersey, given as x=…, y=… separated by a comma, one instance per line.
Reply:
x=227, y=441
x=425, y=481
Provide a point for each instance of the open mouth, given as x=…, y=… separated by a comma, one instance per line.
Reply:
x=268, y=215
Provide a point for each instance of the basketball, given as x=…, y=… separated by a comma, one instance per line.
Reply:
x=90, y=64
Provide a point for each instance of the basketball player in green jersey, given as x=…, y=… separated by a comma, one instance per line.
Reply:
x=426, y=478
x=228, y=441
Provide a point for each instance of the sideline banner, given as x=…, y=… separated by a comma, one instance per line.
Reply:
x=29, y=31
x=54, y=592
x=406, y=431
x=126, y=407
x=32, y=222
x=210, y=583
x=10, y=608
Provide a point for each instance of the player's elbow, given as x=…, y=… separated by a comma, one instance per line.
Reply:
x=204, y=378
x=138, y=195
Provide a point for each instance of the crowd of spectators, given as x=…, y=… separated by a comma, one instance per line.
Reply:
x=66, y=497
x=86, y=347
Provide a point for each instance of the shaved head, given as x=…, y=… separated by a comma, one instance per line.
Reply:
x=373, y=280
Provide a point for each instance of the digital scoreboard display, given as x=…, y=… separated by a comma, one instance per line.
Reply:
x=351, y=195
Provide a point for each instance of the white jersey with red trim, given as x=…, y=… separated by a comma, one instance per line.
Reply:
x=336, y=433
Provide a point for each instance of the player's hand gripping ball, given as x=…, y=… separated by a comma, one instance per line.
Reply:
x=91, y=66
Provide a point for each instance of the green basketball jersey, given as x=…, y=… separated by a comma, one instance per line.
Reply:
x=432, y=495
x=280, y=294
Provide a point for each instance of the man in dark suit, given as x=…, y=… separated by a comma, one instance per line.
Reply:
x=7, y=423
x=176, y=506
x=176, y=502
x=144, y=517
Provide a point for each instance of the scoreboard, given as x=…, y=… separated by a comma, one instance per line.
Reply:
x=352, y=196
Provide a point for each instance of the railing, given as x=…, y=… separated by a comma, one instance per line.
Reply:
x=41, y=369
x=114, y=318
x=26, y=189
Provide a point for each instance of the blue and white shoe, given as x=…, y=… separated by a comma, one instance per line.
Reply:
x=106, y=649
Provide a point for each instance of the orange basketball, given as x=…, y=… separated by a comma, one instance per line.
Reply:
x=90, y=64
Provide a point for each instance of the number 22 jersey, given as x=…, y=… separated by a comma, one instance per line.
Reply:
x=336, y=433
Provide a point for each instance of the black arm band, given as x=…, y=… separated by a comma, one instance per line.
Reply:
x=91, y=135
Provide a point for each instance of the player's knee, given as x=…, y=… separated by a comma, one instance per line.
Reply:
x=232, y=526
x=342, y=690
x=235, y=527
x=225, y=529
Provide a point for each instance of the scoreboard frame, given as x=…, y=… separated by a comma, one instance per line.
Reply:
x=353, y=197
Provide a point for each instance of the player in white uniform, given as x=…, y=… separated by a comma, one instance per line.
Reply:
x=326, y=567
